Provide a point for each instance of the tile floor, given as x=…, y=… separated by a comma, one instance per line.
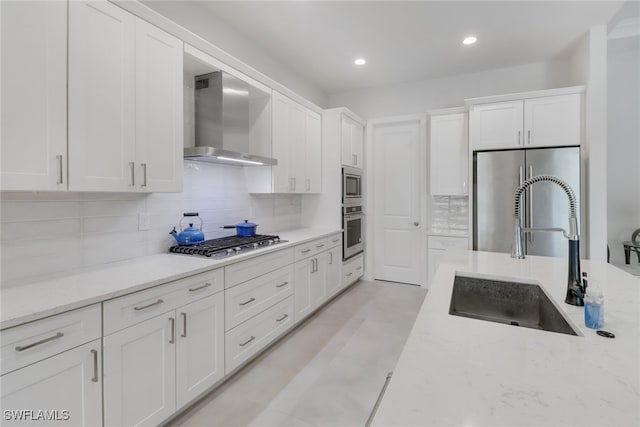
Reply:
x=327, y=372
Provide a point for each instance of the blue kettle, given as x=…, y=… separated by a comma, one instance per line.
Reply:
x=190, y=235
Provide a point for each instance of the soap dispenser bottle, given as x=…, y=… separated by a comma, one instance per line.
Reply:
x=594, y=306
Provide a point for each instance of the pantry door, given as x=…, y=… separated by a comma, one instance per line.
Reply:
x=399, y=240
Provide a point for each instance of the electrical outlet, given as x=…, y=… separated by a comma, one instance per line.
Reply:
x=144, y=221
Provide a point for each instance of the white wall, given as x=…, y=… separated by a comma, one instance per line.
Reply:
x=196, y=18
x=55, y=233
x=623, y=134
x=420, y=96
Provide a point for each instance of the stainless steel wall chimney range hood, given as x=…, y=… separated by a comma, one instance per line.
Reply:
x=222, y=122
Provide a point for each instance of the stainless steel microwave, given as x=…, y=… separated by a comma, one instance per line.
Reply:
x=351, y=186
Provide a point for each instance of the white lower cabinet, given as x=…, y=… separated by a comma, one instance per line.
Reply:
x=310, y=285
x=438, y=246
x=334, y=270
x=65, y=389
x=352, y=270
x=248, y=338
x=157, y=366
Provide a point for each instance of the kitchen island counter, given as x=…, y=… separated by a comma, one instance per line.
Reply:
x=467, y=372
x=36, y=300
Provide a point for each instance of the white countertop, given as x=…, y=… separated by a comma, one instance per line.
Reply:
x=21, y=304
x=466, y=372
x=448, y=233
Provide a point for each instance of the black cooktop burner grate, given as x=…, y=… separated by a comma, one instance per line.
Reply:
x=213, y=246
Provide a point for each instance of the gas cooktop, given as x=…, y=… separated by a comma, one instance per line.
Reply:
x=228, y=246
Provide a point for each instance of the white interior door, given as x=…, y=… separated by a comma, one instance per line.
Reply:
x=399, y=238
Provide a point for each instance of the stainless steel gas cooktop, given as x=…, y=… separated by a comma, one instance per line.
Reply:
x=225, y=247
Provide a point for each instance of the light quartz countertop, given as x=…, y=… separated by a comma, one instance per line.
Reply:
x=21, y=304
x=467, y=372
x=448, y=233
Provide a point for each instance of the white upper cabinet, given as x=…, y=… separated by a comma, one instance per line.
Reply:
x=496, y=125
x=449, y=155
x=352, y=142
x=101, y=97
x=159, y=115
x=537, y=121
x=297, y=144
x=34, y=96
x=125, y=102
x=552, y=121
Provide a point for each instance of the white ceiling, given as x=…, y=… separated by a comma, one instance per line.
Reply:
x=406, y=41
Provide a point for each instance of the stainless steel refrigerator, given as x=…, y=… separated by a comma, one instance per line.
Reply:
x=496, y=176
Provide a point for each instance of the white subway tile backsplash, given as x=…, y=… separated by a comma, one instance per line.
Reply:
x=449, y=213
x=50, y=233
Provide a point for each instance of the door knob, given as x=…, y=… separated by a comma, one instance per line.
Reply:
x=416, y=223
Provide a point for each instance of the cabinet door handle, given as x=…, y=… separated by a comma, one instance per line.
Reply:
x=355, y=159
x=248, y=301
x=242, y=344
x=144, y=174
x=148, y=305
x=173, y=330
x=519, y=133
x=206, y=285
x=305, y=251
x=349, y=274
x=284, y=316
x=60, y=171
x=330, y=257
x=529, y=137
x=184, y=325
x=95, y=366
x=320, y=246
x=282, y=284
x=42, y=341
x=133, y=173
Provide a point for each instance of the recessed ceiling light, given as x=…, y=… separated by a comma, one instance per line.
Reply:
x=470, y=40
x=360, y=61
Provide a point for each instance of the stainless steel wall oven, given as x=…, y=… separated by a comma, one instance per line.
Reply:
x=353, y=231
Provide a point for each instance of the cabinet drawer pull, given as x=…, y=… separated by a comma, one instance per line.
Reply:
x=173, y=330
x=306, y=251
x=95, y=366
x=26, y=347
x=133, y=173
x=320, y=246
x=242, y=344
x=206, y=285
x=335, y=240
x=148, y=305
x=60, y=171
x=282, y=284
x=284, y=316
x=349, y=274
x=184, y=325
x=144, y=174
x=248, y=301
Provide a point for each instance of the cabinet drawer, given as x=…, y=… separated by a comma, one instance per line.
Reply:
x=246, y=270
x=334, y=240
x=247, y=339
x=252, y=297
x=311, y=248
x=34, y=341
x=446, y=242
x=352, y=270
x=128, y=310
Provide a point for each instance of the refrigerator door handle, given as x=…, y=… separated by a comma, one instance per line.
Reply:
x=530, y=204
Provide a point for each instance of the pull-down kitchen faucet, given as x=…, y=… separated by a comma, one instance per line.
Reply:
x=575, y=290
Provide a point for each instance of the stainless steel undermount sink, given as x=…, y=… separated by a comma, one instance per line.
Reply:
x=511, y=303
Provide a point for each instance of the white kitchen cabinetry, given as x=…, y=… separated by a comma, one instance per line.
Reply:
x=125, y=102
x=438, y=246
x=352, y=270
x=449, y=159
x=297, y=145
x=34, y=96
x=334, y=270
x=54, y=364
x=352, y=142
x=156, y=365
x=537, y=121
x=311, y=285
x=67, y=386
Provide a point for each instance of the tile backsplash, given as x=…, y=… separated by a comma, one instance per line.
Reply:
x=449, y=213
x=45, y=233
